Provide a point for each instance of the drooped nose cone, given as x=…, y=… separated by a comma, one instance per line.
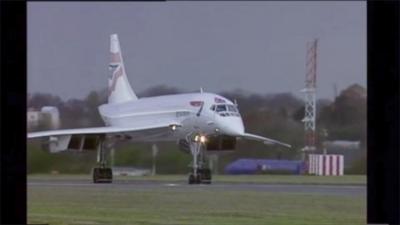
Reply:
x=232, y=126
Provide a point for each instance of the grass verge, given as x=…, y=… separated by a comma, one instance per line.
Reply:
x=59, y=206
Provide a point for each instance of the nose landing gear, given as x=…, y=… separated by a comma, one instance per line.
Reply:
x=203, y=176
x=199, y=174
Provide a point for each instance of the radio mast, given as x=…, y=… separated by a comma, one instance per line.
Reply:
x=310, y=96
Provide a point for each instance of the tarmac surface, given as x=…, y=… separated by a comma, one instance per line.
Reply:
x=135, y=185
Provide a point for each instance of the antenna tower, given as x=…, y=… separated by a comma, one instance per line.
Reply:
x=310, y=95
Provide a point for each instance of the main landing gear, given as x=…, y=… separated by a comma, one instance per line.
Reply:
x=102, y=174
x=199, y=174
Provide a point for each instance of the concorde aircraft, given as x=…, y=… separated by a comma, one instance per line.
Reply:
x=197, y=122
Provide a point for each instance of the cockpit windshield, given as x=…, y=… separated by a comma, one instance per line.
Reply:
x=232, y=108
x=220, y=108
x=225, y=110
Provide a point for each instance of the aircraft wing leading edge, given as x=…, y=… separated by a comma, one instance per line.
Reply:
x=96, y=130
x=264, y=139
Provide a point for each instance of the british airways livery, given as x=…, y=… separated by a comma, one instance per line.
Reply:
x=198, y=122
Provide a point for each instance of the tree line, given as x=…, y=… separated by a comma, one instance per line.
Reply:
x=277, y=116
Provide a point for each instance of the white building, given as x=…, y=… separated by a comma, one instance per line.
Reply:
x=54, y=116
x=33, y=118
x=36, y=118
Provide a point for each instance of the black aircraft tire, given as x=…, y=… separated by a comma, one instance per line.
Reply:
x=95, y=175
x=102, y=175
x=191, y=179
x=198, y=178
x=109, y=175
x=207, y=174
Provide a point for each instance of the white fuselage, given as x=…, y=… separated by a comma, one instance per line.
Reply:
x=202, y=113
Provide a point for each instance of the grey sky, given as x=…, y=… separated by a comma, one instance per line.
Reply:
x=255, y=46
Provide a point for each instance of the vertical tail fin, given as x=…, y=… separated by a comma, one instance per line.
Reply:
x=118, y=85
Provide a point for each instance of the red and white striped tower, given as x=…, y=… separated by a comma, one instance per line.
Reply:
x=310, y=97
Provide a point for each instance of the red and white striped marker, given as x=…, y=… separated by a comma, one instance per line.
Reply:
x=326, y=165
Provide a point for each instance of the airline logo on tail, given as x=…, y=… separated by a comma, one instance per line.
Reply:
x=115, y=57
x=118, y=86
x=117, y=70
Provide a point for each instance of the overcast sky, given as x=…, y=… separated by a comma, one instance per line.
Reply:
x=254, y=46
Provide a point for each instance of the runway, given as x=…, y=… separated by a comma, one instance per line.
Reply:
x=182, y=186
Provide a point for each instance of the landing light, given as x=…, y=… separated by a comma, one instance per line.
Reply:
x=173, y=127
x=202, y=139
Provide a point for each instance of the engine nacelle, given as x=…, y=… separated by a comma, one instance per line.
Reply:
x=221, y=143
x=72, y=143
